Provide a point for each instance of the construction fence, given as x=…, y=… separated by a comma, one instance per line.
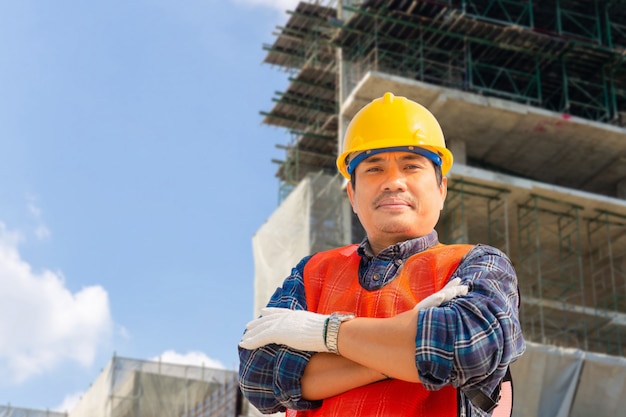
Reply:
x=551, y=381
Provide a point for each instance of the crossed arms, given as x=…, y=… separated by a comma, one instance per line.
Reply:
x=458, y=343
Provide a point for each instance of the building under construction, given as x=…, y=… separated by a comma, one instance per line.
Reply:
x=531, y=96
x=139, y=388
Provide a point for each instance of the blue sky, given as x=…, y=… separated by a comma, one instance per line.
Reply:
x=135, y=171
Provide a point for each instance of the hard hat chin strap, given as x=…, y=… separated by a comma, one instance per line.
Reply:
x=436, y=159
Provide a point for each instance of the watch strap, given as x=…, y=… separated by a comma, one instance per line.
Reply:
x=331, y=336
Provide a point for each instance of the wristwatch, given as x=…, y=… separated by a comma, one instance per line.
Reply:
x=332, y=329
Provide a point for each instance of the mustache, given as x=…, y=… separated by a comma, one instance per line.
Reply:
x=392, y=194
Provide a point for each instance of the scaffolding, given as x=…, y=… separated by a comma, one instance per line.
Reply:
x=533, y=95
x=571, y=268
x=308, y=108
x=468, y=200
x=314, y=217
x=606, y=234
x=550, y=269
x=9, y=411
x=131, y=387
x=564, y=56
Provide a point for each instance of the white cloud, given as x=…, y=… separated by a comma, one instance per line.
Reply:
x=69, y=402
x=279, y=5
x=42, y=323
x=190, y=358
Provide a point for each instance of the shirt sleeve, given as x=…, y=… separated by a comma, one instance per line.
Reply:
x=270, y=376
x=470, y=341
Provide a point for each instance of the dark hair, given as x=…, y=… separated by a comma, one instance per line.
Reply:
x=438, y=174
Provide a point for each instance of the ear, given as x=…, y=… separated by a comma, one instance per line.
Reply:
x=350, y=191
x=443, y=190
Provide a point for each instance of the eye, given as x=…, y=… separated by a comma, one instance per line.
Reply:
x=412, y=167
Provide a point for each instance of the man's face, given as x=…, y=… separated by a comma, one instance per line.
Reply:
x=396, y=197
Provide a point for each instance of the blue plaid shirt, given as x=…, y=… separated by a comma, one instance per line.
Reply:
x=469, y=343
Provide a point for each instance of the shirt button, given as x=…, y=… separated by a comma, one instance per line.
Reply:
x=376, y=277
x=399, y=261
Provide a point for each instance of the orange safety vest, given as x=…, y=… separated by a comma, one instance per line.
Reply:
x=331, y=283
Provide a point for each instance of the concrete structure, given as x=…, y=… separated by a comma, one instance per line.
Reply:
x=531, y=97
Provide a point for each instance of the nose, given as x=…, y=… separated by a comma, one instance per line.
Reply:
x=394, y=180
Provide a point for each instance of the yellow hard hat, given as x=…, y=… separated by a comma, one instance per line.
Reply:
x=391, y=123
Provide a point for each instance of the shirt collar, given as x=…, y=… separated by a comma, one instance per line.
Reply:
x=400, y=250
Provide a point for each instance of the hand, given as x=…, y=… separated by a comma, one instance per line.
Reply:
x=299, y=329
x=451, y=290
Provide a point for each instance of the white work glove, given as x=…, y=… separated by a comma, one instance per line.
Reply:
x=299, y=329
x=451, y=290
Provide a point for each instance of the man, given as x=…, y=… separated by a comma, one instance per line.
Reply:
x=399, y=325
